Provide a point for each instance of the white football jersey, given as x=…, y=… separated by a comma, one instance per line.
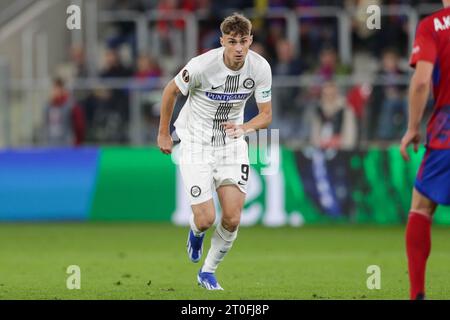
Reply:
x=218, y=94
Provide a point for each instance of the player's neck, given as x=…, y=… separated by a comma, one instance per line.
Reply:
x=230, y=65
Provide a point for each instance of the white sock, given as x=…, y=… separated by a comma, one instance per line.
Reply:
x=194, y=228
x=221, y=243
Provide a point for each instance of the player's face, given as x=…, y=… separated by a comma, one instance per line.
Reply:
x=236, y=48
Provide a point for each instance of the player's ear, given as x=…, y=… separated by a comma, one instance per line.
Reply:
x=221, y=41
x=251, y=40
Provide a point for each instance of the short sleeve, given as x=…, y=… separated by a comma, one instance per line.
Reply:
x=186, y=79
x=425, y=46
x=263, y=90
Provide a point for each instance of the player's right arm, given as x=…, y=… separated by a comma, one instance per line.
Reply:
x=169, y=97
x=419, y=90
x=423, y=57
x=183, y=82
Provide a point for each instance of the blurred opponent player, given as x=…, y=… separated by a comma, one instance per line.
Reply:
x=431, y=60
x=213, y=152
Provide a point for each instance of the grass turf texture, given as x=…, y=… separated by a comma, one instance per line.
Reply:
x=149, y=261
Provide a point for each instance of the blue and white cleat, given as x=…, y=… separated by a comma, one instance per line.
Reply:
x=208, y=281
x=195, y=246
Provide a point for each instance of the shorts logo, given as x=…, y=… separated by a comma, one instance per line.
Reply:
x=196, y=191
x=249, y=83
x=185, y=75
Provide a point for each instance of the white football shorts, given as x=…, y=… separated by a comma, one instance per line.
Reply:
x=205, y=168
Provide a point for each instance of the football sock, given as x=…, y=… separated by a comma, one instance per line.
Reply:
x=221, y=243
x=194, y=228
x=418, y=245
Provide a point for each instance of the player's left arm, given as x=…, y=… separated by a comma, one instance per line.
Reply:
x=261, y=121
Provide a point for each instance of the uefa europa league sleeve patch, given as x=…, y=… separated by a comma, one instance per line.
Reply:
x=196, y=191
x=185, y=75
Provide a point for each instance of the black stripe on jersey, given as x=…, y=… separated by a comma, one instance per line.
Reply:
x=223, y=111
x=221, y=116
x=231, y=84
x=227, y=84
x=218, y=119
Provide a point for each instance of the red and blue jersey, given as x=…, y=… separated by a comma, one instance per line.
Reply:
x=432, y=44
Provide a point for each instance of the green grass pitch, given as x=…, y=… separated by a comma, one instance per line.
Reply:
x=149, y=261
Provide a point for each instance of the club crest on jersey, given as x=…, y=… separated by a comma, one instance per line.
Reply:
x=249, y=83
x=196, y=191
x=185, y=75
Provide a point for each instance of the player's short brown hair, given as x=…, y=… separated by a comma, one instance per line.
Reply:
x=236, y=24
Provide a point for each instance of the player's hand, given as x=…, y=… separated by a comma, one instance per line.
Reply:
x=232, y=130
x=165, y=143
x=411, y=136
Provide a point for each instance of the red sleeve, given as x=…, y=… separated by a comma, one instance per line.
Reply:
x=78, y=125
x=425, y=46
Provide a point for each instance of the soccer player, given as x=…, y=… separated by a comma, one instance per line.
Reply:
x=430, y=58
x=213, y=152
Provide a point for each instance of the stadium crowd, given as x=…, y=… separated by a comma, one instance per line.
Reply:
x=323, y=113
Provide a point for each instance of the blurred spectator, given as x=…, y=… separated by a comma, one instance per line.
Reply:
x=166, y=7
x=397, y=24
x=220, y=6
x=363, y=38
x=376, y=40
x=170, y=31
x=117, y=99
x=63, y=118
x=279, y=4
x=327, y=69
x=329, y=65
x=391, y=96
x=209, y=35
x=113, y=66
x=287, y=63
x=259, y=48
x=147, y=68
x=76, y=67
x=272, y=33
x=104, y=122
x=124, y=31
x=316, y=32
x=209, y=32
x=358, y=97
x=334, y=124
x=148, y=73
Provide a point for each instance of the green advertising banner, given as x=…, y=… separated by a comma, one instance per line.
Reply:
x=370, y=186
x=134, y=184
x=285, y=187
